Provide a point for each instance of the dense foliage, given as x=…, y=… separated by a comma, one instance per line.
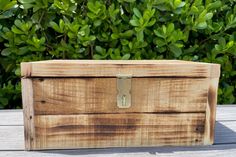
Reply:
x=124, y=29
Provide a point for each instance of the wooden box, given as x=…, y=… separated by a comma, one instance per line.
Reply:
x=95, y=104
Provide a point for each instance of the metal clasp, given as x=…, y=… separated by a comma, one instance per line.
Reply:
x=124, y=91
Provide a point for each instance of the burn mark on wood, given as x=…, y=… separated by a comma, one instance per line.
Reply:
x=104, y=124
x=43, y=101
x=169, y=102
x=41, y=79
x=102, y=91
x=211, y=111
x=200, y=129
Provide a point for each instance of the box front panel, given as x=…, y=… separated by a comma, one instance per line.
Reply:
x=65, y=96
x=118, y=130
x=83, y=113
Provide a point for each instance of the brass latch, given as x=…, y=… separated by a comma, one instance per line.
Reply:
x=124, y=91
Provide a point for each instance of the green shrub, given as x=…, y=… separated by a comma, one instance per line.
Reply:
x=193, y=30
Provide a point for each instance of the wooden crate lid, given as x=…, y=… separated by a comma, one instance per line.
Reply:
x=113, y=68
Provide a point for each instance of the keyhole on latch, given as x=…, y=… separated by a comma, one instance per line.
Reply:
x=123, y=100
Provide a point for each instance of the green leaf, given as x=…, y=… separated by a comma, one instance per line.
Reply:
x=151, y=23
x=18, y=23
x=91, y=15
x=202, y=25
x=61, y=24
x=16, y=30
x=125, y=57
x=124, y=42
x=99, y=49
x=218, y=47
x=27, y=6
x=194, y=10
x=3, y=101
x=94, y=7
x=17, y=72
x=26, y=1
x=9, y=5
x=97, y=23
x=23, y=50
x=130, y=1
x=175, y=50
x=160, y=34
x=55, y=26
x=6, y=52
x=134, y=22
x=164, y=29
x=214, y=5
x=127, y=34
x=222, y=41
x=178, y=3
x=170, y=28
x=160, y=42
x=97, y=57
x=137, y=13
x=229, y=44
x=140, y=36
x=208, y=16
x=115, y=36
x=181, y=4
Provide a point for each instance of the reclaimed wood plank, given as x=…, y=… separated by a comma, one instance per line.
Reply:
x=12, y=137
x=161, y=88
x=199, y=151
x=11, y=117
x=99, y=95
x=211, y=111
x=226, y=112
x=15, y=117
x=28, y=110
x=112, y=68
x=118, y=130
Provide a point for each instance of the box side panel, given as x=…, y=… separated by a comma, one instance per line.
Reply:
x=27, y=99
x=118, y=130
x=67, y=96
x=211, y=111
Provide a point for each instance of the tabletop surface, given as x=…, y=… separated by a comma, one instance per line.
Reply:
x=12, y=141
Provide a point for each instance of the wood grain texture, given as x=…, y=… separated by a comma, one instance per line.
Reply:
x=14, y=117
x=11, y=117
x=27, y=97
x=12, y=137
x=118, y=130
x=211, y=111
x=111, y=68
x=99, y=95
x=226, y=112
x=225, y=150
x=73, y=104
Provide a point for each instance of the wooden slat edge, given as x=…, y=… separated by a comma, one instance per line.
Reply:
x=215, y=71
x=211, y=111
x=26, y=69
x=28, y=111
x=112, y=70
x=163, y=61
